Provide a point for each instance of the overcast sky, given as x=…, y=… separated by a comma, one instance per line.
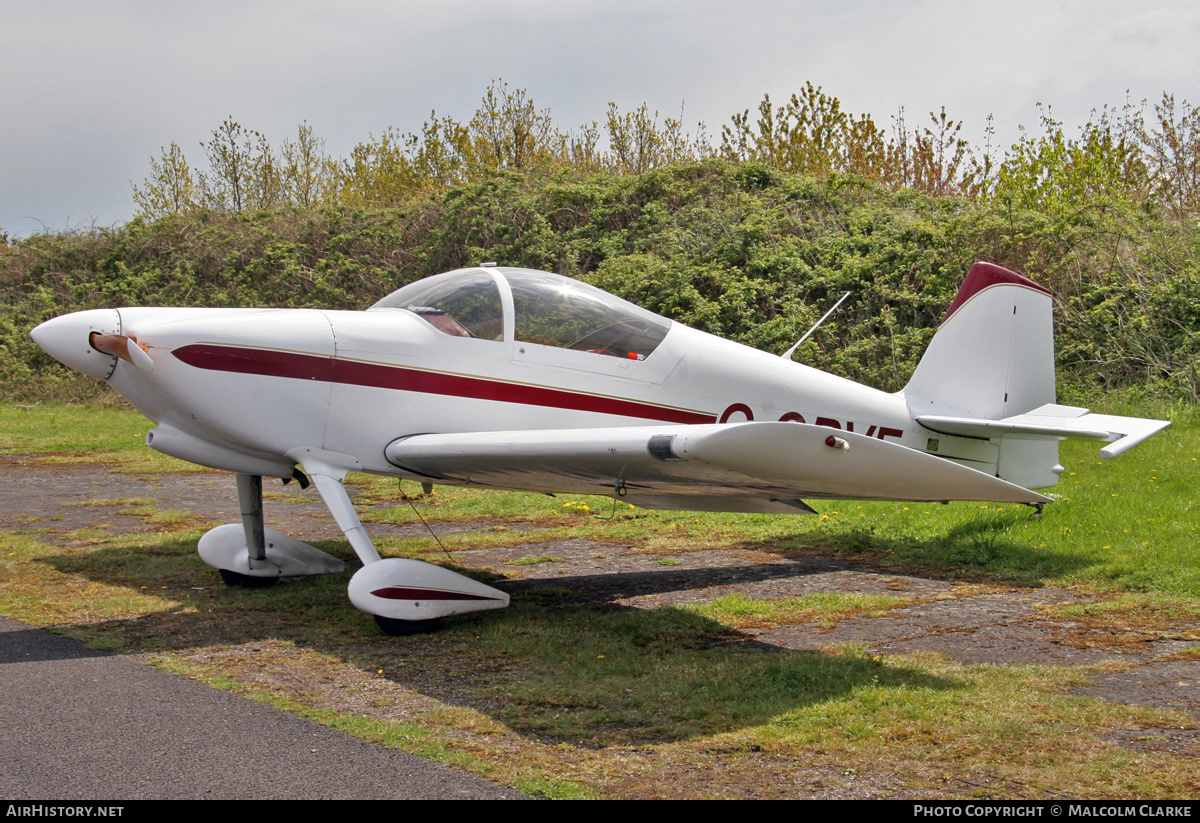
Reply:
x=92, y=90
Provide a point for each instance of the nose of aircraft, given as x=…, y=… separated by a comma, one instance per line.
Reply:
x=67, y=340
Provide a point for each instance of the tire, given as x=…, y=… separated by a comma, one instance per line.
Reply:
x=403, y=628
x=245, y=581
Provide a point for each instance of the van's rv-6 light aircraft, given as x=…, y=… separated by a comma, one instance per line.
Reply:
x=517, y=379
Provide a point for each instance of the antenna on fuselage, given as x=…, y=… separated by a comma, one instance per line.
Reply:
x=788, y=354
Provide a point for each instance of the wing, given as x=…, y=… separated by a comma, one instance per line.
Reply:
x=726, y=467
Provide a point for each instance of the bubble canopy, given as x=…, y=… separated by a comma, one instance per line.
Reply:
x=548, y=310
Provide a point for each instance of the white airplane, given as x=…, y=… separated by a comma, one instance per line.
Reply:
x=518, y=379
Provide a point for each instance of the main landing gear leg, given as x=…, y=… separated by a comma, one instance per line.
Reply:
x=249, y=487
x=405, y=596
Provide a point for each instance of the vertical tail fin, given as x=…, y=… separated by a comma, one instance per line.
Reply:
x=993, y=354
x=991, y=358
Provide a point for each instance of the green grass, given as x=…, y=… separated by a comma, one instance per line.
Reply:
x=824, y=608
x=536, y=561
x=98, y=434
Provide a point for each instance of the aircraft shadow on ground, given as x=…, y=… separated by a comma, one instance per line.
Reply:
x=564, y=663
x=975, y=549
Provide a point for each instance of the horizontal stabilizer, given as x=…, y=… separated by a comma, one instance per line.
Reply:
x=785, y=462
x=1053, y=421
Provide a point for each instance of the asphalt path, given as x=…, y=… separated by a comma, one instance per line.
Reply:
x=76, y=723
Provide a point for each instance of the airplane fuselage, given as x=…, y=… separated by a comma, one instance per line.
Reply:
x=351, y=382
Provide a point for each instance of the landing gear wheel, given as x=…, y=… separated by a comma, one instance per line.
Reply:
x=403, y=628
x=246, y=581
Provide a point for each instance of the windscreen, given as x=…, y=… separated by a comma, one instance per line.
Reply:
x=463, y=303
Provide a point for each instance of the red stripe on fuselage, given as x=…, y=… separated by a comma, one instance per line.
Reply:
x=407, y=593
x=258, y=361
x=378, y=375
